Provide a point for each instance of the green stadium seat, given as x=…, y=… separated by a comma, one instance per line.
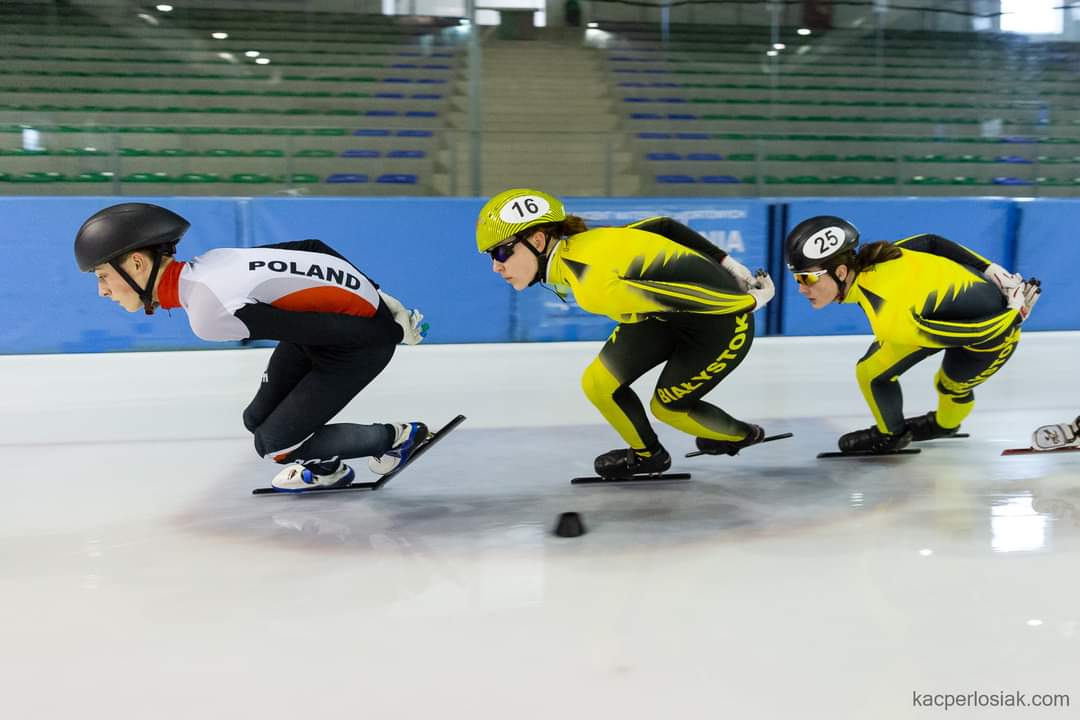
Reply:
x=146, y=177
x=38, y=177
x=250, y=178
x=93, y=177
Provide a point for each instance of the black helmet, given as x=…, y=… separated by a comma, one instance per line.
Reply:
x=817, y=240
x=110, y=233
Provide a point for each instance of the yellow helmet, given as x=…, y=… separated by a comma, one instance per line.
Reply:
x=512, y=211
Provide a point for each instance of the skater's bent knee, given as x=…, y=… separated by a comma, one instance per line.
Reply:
x=598, y=383
x=251, y=422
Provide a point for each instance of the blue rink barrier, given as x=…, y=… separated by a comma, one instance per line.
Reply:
x=1048, y=247
x=422, y=250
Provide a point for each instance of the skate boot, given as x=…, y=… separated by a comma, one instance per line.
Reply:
x=873, y=440
x=298, y=478
x=731, y=447
x=925, y=427
x=407, y=437
x=626, y=463
x=1057, y=437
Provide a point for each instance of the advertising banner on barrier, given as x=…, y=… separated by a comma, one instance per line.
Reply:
x=735, y=226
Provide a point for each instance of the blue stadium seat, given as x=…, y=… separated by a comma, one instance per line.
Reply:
x=692, y=136
x=720, y=179
x=421, y=113
x=347, y=178
x=406, y=154
x=663, y=156
x=704, y=156
x=682, y=116
x=389, y=96
x=397, y=179
x=1012, y=181
x=414, y=133
x=360, y=153
x=382, y=113
x=675, y=179
x=654, y=135
x=426, y=96
x=366, y=132
x=646, y=116
x=1017, y=159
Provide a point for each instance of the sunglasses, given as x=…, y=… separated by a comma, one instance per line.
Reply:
x=502, y=253
x=811, y=278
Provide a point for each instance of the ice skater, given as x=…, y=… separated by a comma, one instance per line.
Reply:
x=336, y=333
x=679, y=300
x=922, y=294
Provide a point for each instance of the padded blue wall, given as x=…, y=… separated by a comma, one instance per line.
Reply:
x=421, y=249
x=1048, y=247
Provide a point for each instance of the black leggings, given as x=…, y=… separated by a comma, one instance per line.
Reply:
x=699, y=352
x=302, y=389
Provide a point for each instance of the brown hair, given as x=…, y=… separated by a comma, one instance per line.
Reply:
x=867, y=257
x=572, y=225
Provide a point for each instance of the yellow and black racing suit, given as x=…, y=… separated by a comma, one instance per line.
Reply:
x=676, y=305
x=931, y=298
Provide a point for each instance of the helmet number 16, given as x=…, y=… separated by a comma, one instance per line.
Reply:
x=524, y=209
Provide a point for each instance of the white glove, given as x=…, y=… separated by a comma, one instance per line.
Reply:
x=742, y=274
x=1023, y=297
x=762, y=289
x=1004, y=280
x=410, y=321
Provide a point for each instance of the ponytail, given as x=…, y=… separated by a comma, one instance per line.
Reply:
x=867, y=256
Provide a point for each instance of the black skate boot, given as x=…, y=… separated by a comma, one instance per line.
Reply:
x=729, y=447
x=627, y=463
x=925, y=427
x=874, y=441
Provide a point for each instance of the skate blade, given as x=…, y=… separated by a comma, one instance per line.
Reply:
x=866, y=453
x=1033, y=451
x=957, y=436
x=657, y=477
x=782, y=436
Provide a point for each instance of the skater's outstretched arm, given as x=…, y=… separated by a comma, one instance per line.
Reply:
x=943, y=247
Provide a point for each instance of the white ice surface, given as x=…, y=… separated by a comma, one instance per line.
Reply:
x=141, y=580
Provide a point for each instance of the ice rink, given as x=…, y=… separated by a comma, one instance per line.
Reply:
x=142, y=580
